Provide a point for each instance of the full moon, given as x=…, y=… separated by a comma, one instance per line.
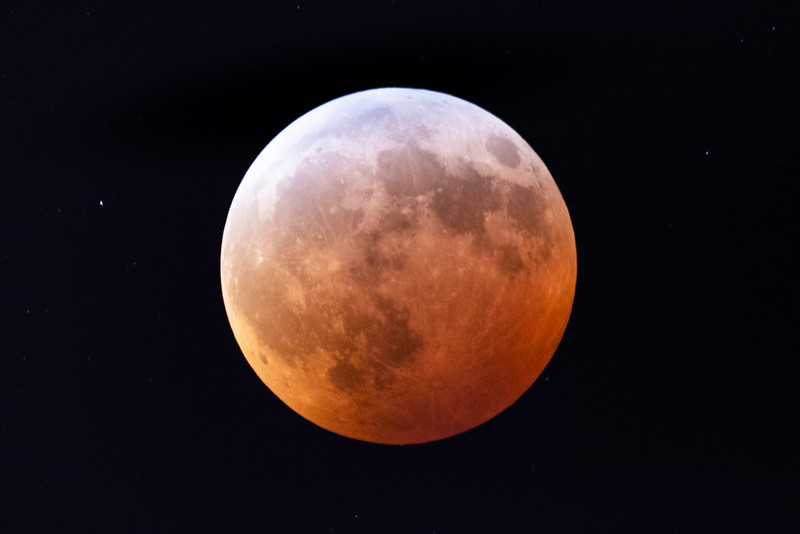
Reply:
x=398, y=266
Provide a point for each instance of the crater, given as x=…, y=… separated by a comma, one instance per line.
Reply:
x=509, y=260
x=394, y=221
x=389, y=342
x=310, y=203
x=409, y=171
x=527, y=206
x=504, y=151
x=345, y=376
x=390, y=338
x=371, y=262
x=460, y=203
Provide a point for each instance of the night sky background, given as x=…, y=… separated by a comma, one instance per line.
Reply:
x=125, y=402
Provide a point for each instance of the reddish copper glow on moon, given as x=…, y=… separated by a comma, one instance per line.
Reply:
x=398, y=266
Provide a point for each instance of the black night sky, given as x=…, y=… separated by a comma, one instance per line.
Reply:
x=125, y=402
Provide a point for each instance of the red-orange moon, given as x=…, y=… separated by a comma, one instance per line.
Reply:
x=398, y=266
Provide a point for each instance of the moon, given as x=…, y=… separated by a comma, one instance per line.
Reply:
x=398, y=266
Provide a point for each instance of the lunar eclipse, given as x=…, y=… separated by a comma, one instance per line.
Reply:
x=398, y=266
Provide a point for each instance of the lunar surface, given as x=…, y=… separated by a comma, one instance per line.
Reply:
x=398, y=266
